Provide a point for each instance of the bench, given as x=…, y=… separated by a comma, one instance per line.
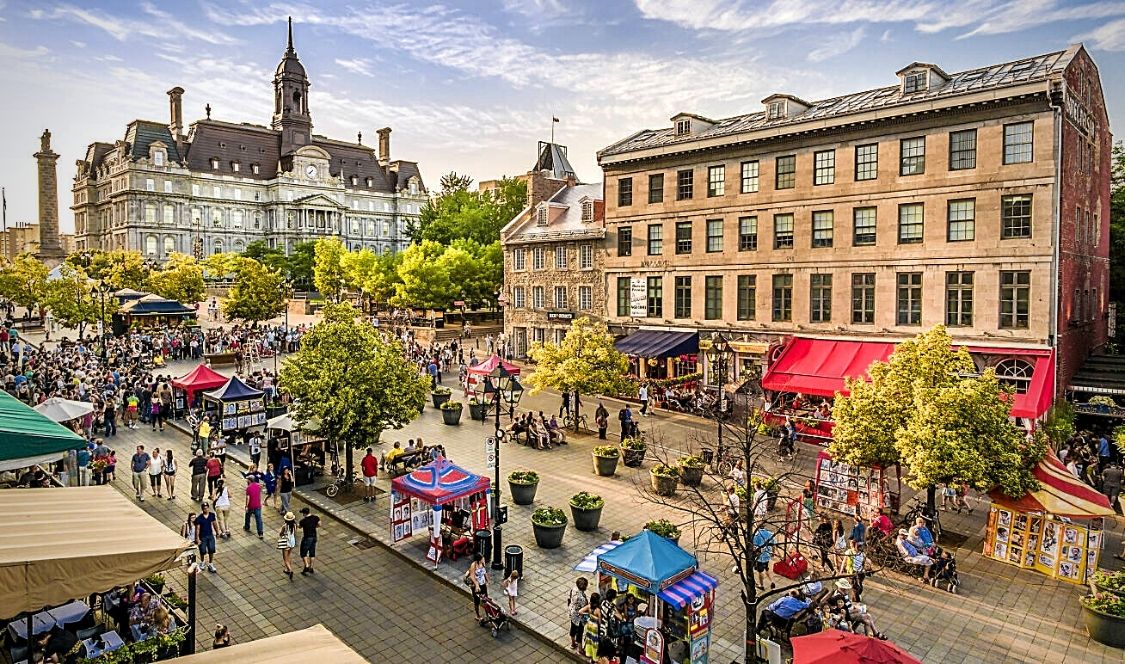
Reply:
x=220, y=359
x=404, y=463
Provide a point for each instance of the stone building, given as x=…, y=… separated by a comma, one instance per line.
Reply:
x=553, y=254
x=977, y=199
x=223, y=185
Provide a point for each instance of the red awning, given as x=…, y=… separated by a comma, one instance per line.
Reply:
x=1041, y=390
x=1060, y=493
x=202, y=377
x=491, y=367
x=819, y=366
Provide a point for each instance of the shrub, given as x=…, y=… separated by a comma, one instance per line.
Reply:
x=584, y=500
x=1102, y=400
x=441, y=389
x=451, y=405
x=664, y=528
x=665, y=471
x=523, y=477
x=156, y=579
x=1107, y=603
x=691, y=461
x=606, y=451
x=474, y=401
x=634, y=444
x=1114, y=580
x=549, y=516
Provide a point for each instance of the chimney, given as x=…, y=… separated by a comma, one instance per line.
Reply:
x=175, y=102
x=384, y=146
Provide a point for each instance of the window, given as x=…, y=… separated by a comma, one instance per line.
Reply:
x=585, y=298
x=560, y=297
x=150, y=213
x=786, y=176
x=167, y=186
x=962, y=149
x=537, y=297
x=1015, y=373
x=624, y=192
x=150, y=245
x=685, y=184
x=655, y=239
x=782, y=297
x=237, y=194
x=255, y=168
x=519, y=259
x=714, y=235
x=1017, y=143
x=863, y=226
x=716, y=180
x=867, y=162
x=910, y=220
x=541, y=215
x=217, y=248
x=656, y=188
x=747, y=233
x=236, y=219
x=683, y=127
x=150, y=185
x=538, y=258
x=234, y=166
x=683, y=237
x=585, y=256
x=959, y=299
x=158, y=158
x=214, y=164
x=915, y=81
x=562, y=258
x=1015, y=298
x=747, y=296
x=749, y=177
x=913, y=156
x=682, y=297
x=713, y=297
x=518, y=300
x=783, y=231
x=909, y=298
x=194, y=189
x=587, y=211
x=655, y=297
x=1015, y=216
x=169, y=245
x=863, y=298
x=216, y=218
x=624, y=284
x=820, y=298
x=822, y=222
x=824, y=167
x=775, y=110
x=1095, y=305
x=962, y=220
x=169, y=215
x=625, y=241
x=216, y=191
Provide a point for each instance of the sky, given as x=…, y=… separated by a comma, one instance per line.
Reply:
x=472, y=86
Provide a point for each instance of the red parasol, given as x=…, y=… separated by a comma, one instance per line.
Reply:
x=836, y=647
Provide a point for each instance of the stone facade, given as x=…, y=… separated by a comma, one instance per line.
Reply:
x=50, y=250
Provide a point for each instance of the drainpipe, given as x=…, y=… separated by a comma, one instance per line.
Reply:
x=1055, y=97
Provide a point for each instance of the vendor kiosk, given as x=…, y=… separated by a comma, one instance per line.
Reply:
x=298, y=441
x=862, y=490
x=1056, y=530
x=474, y=381
x=239, y=406
x=187, y=388
x=679, y=599
x=443, y=500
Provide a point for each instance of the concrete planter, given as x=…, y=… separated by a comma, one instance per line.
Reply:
x=548, y=537
x=691, y=475
x=586, y=520
x=664, y=485
x=439, y=398
x=605, y=466
x=632, y=458
x=451, y=416
x=477, y=411
x=522, y=494
x=1104, y=628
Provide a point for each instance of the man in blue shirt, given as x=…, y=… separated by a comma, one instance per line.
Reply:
x=782, y=611
x=763, y=545
x=205, y=536
x=1104, y=452
x=139, y=466
x=82, y=460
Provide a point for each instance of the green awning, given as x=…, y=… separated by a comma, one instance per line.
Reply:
x=25, y=433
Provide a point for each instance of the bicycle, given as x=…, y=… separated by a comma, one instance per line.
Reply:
x=340, y=481
x=918, y=509
x=569, y=422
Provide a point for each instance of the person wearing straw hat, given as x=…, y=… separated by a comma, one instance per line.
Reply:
x=286, y=541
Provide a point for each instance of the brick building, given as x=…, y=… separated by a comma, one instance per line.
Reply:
x=816, y=234
x=553, y=254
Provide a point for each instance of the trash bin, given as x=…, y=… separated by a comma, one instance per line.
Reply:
x=708, y=455
x=482, y=540
x=513, y=559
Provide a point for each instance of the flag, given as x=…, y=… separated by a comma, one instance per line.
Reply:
x=554, y=119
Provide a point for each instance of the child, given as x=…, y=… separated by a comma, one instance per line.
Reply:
x=511, y=589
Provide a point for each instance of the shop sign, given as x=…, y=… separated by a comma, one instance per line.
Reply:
x=560, y=315
x=459, y=303
x=638, y=298
x=1078, y=115
x=700, y=619
x=654, y=647
x=700, y=648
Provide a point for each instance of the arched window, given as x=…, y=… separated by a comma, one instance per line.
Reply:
x=150, y=245
x=239, y=247
x=169, y=245
x=1015, y=372
x=217, y=247
x=169, y=215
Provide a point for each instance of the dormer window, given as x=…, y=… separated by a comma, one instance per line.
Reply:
x=541, y=216
x=683, y=127
x=915, y=81
x=158, y=158
x=413, y=187
x=214, y=164
x=587, y=210
x=355, y=181
x=255, y=169
x=776, y=110
x=368, y=181
x=235, y=166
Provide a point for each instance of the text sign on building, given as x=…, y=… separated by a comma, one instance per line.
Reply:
x=1078, y=115
x=560, y=315
x=638, y=298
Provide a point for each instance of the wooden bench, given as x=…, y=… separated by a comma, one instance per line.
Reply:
x=404, y=463
x=220, y=359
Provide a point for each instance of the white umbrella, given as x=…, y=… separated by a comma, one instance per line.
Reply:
x=58, y=409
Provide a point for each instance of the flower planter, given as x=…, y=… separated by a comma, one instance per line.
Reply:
x=586, y=520
x=439, y=398
x=1104, y=628
x=605, y=466
x=691, y=475
x=632, y=458
x=548, y=537
x=523, y=494
x=451, y=416
x=665, y=485
x=1112, y=591
x=477, y=411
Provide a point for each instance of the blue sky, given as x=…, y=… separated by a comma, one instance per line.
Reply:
x=471, y=86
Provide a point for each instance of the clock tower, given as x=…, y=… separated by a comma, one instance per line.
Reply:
x=291, y=104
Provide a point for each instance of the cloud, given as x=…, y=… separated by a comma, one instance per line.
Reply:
x=156, y=24
x=1109, y=37
x=536, y=8
x=9, y=52
x=837, y=45
x=356, y=66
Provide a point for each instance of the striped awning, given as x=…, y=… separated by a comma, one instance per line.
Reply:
x=681, y=593
x=1060, y=493
x=590, y=562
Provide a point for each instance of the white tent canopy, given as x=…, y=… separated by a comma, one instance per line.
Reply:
x=58, y=409
x=315, y=645
x=284, y=422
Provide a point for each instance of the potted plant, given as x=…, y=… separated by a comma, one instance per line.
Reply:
x=665, y=479
x=451, y=412
x=691, y=470
x=156, y=582
x=1110, y=582
x=664, y=528
x=440, y=395
x=1102, y=402
x=522, y=485
x=633, y=449
x=586, y=508
x=605, y=460
x=1104, y=615
x=477, y=409
x=549, y=525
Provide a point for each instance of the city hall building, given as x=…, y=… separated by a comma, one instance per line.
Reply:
x=815, y=234
x=223, y=185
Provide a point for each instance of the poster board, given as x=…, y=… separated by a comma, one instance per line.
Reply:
x=841, y=487
x=401, y=522
x=1055, y=546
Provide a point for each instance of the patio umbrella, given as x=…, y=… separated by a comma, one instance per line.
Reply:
x=836, y=647
x=58, y=409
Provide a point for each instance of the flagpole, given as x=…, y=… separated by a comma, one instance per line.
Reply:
x=552, y=131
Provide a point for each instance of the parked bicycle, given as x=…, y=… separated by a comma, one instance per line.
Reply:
x=569, y=422
x=340, y=481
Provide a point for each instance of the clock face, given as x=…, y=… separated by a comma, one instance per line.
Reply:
x=310, y=171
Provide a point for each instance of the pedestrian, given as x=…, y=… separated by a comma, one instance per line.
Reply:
x=286, y=542
x=591, y=615
x=154, y=415
x=565, y=407
x=198, y=467
x=222, y=507
x=822, y=540
x=763, y=546
x=576, y=601
x=222, y=637
x=370, y=467
x=205, y=536
x=477, y=577
x=512, y=590
x=855, y=561
x=859, y=530
x=255, y=448
x=642, y=395
x=187, y=529
x=253, y=504
x=285, y=488
x=625, y=416
x=732, y=507
x=155, y=471
x=309, y=524
x=601, y=417
x=170, y=474
x=82, y=460
x=269, y=478
x=214, y=472
x=1111, y=483
x=139, y=465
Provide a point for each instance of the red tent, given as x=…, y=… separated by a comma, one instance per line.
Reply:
x=490, y=367
x=837, y=647
x=1060, y=493
x=439, y=482
x=200, y=378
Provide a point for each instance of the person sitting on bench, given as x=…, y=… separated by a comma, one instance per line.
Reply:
x=912, y=555
x=782, y=611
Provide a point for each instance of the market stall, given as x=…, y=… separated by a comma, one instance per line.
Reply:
x=299, y=442
x=150, y=311
x=239, y=406
x=1056, y=530
x=678, y=598
x=489, y=367
x=856, y=489
x=58, y=409
x=28, y=438
x=187, y=387
x=834, y=646
x=442, y=499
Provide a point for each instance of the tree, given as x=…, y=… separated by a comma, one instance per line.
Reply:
x=353, y=380
x=119, y=268
x=258, y=294
x=1117, y=229
x=180, y=279
x=461, y=214
x=24, y=281
x=585, y=362
x=425, y=279
x=71, y=300
x=329, y=274
x=223, y=265
x=272, y=257
x=299, y=264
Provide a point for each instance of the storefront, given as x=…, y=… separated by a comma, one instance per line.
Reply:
x=442, y=500
x=661, y=354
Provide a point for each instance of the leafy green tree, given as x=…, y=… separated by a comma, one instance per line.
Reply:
x=329, y=275
x=272, y=257
x=258, y=294
x=299, y=264
x=461, y=214
x=585, y=362
x=180, y=279
x=1058, y=424
x=71, y=300
x=425, y=278
x=24, y=281
x=223, y=265
x=117, y=268
x=1117, y=230
x=353, y=380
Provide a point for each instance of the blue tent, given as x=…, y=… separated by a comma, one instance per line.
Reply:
x=649, y=561
x=234, y=390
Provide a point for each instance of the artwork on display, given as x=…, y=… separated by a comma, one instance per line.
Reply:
x=256, y=405
x=244, y=421
x=421, y=517
x=849, y=489
x=400, y=517
x=259, y=418
x=230, y=423
x=230, y=408
x=1055, y=546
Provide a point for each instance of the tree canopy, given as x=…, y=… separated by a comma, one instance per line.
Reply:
x=71, y=300
x=258, y=294
x=585, y=361
x=458, y=213
x=329, y=274
x=180, y=279
x=24, y=281
x=118, y=268
x=1117, y=228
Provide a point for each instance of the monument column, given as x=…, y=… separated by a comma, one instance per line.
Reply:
x=50, y=250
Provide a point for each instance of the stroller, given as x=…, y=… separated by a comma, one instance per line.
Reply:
x=494, y=617
x=944, y=572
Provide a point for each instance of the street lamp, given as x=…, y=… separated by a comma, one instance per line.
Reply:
x=505, y=390
x=718, y=358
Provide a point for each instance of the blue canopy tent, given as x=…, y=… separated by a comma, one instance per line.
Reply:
x=239, y=405
x=648, y=561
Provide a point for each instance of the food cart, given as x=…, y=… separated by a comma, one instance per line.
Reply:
x=240, y=407
x=187, y=387
x=678, y=597
x=848, y=489
x=442, y=499
x=298, y=441
x=1056, y=530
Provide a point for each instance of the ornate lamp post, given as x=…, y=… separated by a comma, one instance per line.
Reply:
x=718, y=359
x=506, y=390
